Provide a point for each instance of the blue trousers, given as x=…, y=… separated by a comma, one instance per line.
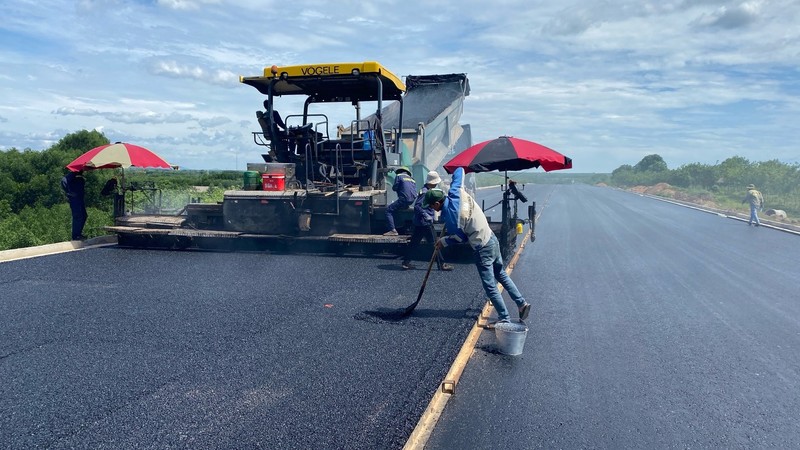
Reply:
x=490, y=267
x=79, y=216
x=754, y=215
x=394, y=206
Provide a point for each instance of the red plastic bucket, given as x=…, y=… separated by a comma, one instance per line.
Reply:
x=271, y=182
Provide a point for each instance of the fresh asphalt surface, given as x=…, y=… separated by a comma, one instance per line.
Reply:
x=654, y=326
x=122, y=348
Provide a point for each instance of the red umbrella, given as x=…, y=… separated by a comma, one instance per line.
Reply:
x=507, y=153
x=116, y=155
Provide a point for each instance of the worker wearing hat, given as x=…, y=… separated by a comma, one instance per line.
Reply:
x=406, y=189
x=756, y=201
x=466, y=222
x=423, y=224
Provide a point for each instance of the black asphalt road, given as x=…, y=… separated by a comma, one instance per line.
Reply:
x=655, y=326
x=120, y=348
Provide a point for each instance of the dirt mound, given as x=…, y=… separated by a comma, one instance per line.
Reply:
x=667, y=191
x=660, y=189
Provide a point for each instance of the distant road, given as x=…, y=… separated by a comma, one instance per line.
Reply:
x=655, y=326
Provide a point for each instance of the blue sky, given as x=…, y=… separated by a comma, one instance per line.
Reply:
x=604, y=82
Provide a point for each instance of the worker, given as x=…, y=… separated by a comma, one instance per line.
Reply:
x=276, y=131
x=74, y=186
x=276, y=117
x=110, y=187
x=423, y=225
x=406, y=189
x=466, y=223
x=756, y=201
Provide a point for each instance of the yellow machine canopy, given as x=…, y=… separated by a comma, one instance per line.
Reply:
x=334, y=82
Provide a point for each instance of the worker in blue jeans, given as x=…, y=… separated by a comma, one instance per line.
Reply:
x=406, y=189
x=756, y=201
x=466, y=223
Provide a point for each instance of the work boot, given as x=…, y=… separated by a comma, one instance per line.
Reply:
x=524, y=311
x=446, y=267
x=407, y=266
x=390, y=233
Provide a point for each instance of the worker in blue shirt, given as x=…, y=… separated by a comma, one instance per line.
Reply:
x=466, y=223
x=423, y=224
x=406, y=189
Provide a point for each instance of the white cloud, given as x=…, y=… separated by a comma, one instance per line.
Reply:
x=186, y=4
x=571, y=22
x=176, y=70
x=606, y=81
x=146, y=117
x=214, y=121
x=730, y=17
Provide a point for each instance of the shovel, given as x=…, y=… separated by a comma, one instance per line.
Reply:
x=410, y=308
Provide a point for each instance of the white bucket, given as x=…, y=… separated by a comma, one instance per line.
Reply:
x=511, y=337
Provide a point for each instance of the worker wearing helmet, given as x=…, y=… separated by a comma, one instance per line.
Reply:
x=406, y=189
x=466, y=222
x=423, y=225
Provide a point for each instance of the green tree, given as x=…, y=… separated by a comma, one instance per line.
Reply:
x=623, y=175
x=5, y=210
x=651, y=163
x=733, y=170
x=8, y=188
x=694, y=174
x=14, y=234
x=80, y=142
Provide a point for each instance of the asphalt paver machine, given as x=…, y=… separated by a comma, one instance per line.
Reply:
x=323, y=185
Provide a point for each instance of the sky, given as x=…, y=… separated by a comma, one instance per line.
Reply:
x=603, y=82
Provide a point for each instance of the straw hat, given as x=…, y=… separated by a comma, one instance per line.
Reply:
x=433, y=178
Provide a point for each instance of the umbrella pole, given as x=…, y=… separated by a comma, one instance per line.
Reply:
x=124, y=187
x=117, y=208
x=504, y=216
